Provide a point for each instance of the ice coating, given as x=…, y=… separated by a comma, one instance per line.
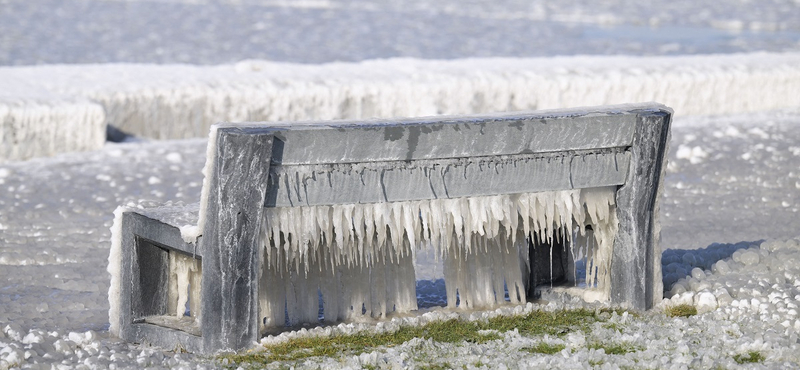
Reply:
x=211, y=148
x=482, y=240
x=115, y=270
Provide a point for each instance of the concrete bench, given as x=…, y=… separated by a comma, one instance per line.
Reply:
x=255, y=171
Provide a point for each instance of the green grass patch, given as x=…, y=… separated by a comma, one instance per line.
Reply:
x=536, y=323
x=449, y=331
x=613, y=326
x=545, y=348
x=681, y=310
x=614, y=348
x=749, y=358
x=540, y=323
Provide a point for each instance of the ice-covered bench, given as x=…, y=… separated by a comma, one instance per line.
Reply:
x=293, y=212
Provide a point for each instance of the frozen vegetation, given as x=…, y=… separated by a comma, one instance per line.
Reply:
x=729, y=212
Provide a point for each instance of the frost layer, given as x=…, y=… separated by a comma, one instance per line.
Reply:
x=360, y=256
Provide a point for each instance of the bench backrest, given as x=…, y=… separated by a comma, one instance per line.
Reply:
x=256, y=165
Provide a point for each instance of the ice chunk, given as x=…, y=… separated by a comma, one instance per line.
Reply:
x=749, y=257
x=721, y=267
x=705, y=302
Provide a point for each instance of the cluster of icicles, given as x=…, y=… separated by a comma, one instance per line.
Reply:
x=360, y=257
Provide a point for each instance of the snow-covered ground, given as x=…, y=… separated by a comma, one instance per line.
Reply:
x=733, y=177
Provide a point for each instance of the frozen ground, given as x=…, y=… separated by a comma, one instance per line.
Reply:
x=731, y=179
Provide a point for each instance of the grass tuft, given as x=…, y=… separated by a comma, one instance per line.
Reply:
x=545, y=348
x=615, y=348
x=681, y=310
x=749, y=358
x=596, y=363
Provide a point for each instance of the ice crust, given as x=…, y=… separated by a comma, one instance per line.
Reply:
x=182, y=101
x=115, y=271
x=361, y=255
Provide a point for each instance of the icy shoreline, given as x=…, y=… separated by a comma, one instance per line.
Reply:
x=182, y=101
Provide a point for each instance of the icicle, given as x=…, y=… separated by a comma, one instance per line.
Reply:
x=369, y=249
x=184, y=274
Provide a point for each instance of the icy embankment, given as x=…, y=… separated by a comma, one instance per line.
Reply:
x=182, y=101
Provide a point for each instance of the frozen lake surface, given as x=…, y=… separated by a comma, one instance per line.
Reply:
x=317, y=31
